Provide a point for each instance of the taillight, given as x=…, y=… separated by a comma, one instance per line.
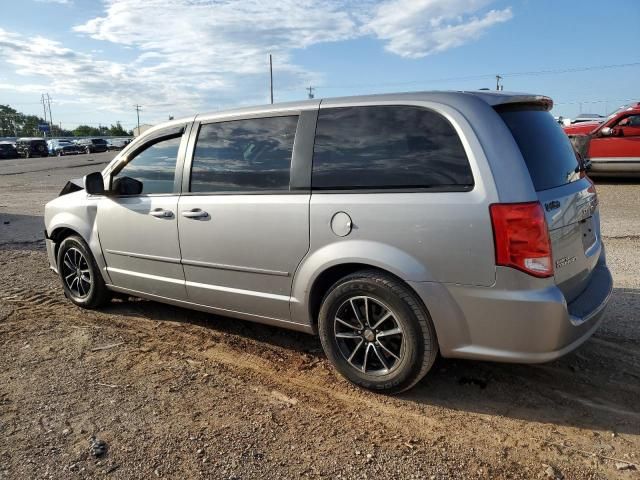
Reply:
x=522, y=237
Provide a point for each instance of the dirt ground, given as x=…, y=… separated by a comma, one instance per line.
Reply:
x=145, y=390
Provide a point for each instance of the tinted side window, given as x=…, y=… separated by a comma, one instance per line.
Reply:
x=244, y=155
x=546, y=149
x=155, y=166
x=387, y=147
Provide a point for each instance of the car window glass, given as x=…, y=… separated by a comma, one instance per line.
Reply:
x=155, y=166
x=244, y=155
x=387, y=147
x=633, y=121
x=546, y=149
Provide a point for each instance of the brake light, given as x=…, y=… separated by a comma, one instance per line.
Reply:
x=522, y=238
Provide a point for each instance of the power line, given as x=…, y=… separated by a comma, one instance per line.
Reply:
x=481, y=76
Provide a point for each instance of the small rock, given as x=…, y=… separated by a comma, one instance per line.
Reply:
x=625, y=466
x=97, y=447
x=551, y=473
x=357, y=452
x=199, y=451
x=66, y=431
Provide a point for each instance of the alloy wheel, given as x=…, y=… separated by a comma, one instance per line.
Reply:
x=369, y=335
x=76, y=273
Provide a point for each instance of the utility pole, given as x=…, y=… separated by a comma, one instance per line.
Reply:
x=310, y=89
x=50, y=117
x=498, y=78
x=138, y=108
x=44, y=109
x=271, y=76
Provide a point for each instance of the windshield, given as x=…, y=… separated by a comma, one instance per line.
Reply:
x=620, y=109
x=546, y=149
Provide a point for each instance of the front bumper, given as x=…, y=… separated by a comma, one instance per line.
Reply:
x=511, y=322
x=51, y=253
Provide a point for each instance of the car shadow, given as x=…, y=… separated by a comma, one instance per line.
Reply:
x=21, y=231
x=610, y=180
x=596, y=387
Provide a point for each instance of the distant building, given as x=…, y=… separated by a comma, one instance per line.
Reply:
x=140, y=130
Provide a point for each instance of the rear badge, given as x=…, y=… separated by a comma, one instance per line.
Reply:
x=551, y=205
x=564, y=261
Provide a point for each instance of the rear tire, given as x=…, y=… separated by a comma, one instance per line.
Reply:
x=80, y=275
x=376, y=332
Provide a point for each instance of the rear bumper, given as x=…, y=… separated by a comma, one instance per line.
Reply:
x=512, y=323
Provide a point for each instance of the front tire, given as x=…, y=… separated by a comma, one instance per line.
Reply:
x=376, y=332
x=81, y=278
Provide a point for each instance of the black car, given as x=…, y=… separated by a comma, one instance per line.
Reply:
x=118, y=143
x=92, y=145
x=32, y=147
x=63, y=147
x=8, y=150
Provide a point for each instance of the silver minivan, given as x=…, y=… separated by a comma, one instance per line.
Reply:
x=394, y=226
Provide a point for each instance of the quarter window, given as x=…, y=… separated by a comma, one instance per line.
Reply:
x=155, y=166
x=386, y=147
x=244, y=155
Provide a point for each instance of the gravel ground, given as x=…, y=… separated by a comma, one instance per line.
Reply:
x=144, y=390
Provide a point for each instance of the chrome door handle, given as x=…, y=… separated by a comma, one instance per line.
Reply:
x=161, y=213
x=194, y=213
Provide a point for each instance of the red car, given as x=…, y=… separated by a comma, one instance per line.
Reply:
x=613, y=146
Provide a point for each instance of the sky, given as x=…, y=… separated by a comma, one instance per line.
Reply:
x=98, y=58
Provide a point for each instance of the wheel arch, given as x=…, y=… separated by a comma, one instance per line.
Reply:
x=327, y=265
x=64, y=224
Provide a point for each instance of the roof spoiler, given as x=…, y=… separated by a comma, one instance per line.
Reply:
x=499, y=99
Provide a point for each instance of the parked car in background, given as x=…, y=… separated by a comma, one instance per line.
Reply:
x=63, y=147
x=8, y=150
x=117, y=143
x=28, y=147
x=588, y=117
x=611, y=147
x=92, y=145
x=395, y=226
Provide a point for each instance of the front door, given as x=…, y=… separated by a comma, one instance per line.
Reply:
x=621, y=149
x=138, y=230
x=243, y=230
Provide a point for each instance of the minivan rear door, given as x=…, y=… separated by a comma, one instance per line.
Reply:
x=567, y=196
x=243, y=217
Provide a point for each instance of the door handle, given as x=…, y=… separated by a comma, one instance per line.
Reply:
x=194, y=213
x=161, y=213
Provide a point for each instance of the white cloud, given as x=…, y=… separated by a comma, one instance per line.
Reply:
x=417, y=28
x=194, y=55
x=60, y=2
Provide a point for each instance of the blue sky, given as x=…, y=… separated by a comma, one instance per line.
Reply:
x=97, y=59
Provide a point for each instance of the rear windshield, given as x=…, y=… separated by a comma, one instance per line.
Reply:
x=546, y=149
x=99, y=141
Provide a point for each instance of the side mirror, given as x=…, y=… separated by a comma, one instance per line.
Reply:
x=127, y=186
x=606, y=132
x=94, y=184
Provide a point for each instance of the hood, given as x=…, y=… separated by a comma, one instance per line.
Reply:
x=582, y=128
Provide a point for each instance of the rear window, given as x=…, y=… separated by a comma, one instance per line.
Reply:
x=99, y=141
x=546, y=149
